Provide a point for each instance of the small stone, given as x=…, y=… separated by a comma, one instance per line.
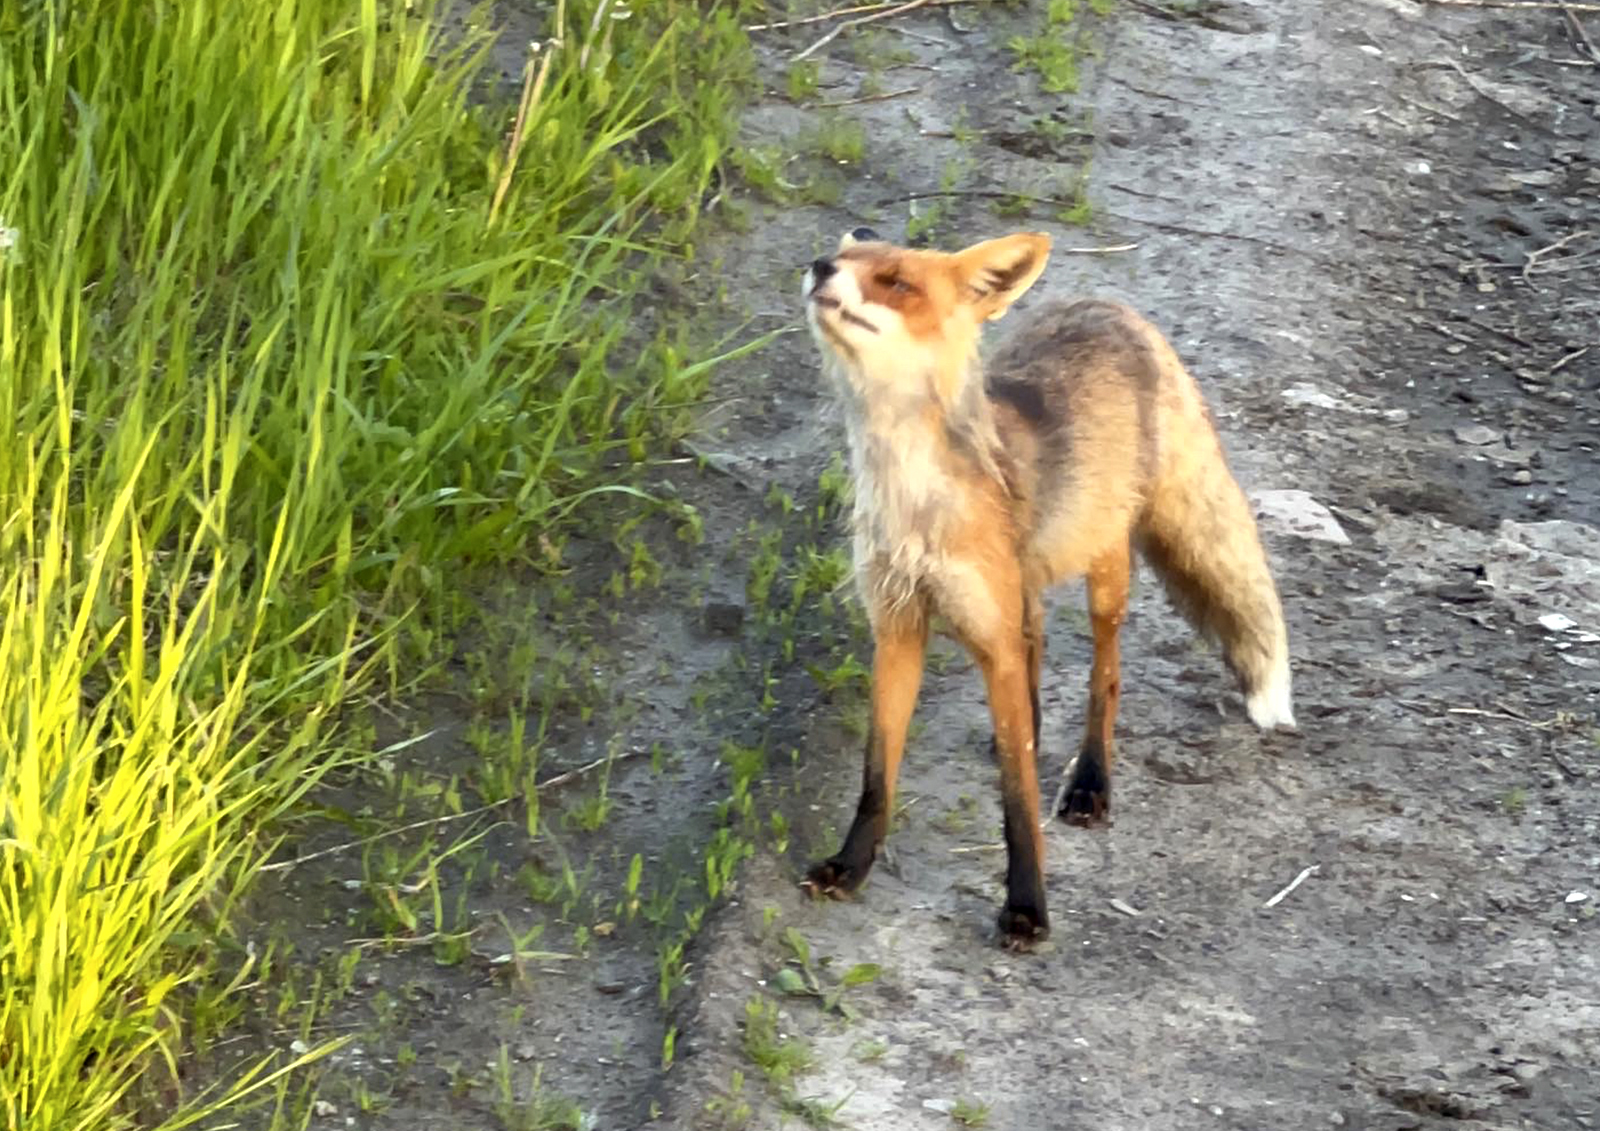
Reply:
x=1522, y=477
x=1296, y=512
x=1576, y=897
x=323, y=1109
x=1337, y=1119
x=525, y=1050
x=723, y=617
x=1476, y=434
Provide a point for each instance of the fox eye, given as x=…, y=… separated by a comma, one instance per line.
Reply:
x=896, y=284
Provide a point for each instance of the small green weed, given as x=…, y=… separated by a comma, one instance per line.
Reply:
x=1055, y=60
x=538, y=1110
x=815, y=1112
x=839, y=139
x=869, y=1051
x=970, y=1113
x=802, y=79
x=778, y=1056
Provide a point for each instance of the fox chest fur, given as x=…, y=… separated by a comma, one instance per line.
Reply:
x=917, y=490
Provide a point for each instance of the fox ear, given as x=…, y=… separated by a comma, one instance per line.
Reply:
x=996, y=272
x=858, y=235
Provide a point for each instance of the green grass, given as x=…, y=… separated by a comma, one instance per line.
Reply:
x=970, y=1113
x=277, y=366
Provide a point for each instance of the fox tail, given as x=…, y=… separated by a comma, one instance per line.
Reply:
x=1200, y=538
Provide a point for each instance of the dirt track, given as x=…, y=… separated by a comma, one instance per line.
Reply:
x=1361, y=224
x=1334, y=207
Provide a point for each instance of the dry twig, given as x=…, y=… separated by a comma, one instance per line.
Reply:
x=1535, y=256
x=869, y=98
x=548, y=783
x=1545, y=4
x=897, y=10
x=532, y=90
x=1294, y=883
x=1569, y=358
x=1488, y=95
x=840, y=13
x=1425, y=106
x=1578, y=33
x=1505, y=714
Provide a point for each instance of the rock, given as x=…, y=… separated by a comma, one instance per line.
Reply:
x=1552, y=565
x=1305, y=393
x=1297, y=513
x=1476, y=434
x=725, y=618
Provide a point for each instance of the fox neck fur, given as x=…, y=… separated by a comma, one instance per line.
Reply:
x=914, y=441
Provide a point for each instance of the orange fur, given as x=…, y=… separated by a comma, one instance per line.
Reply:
x=975, y=494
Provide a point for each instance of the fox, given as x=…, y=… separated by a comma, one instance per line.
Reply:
x=979, y=485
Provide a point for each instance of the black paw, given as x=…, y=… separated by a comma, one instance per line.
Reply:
x=1022, y=927
x=1087, y=802
x=835, y=878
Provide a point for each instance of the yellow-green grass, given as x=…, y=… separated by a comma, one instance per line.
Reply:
x=273, y=367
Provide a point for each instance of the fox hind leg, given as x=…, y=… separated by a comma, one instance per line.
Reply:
x=1087, y=800
x=897, y=663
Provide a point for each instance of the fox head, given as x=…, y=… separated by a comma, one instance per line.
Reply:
x=899, y=320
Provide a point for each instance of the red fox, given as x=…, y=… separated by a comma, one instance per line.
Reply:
x=975, y=492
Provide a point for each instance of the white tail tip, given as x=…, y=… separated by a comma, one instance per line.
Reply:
x=1270, y=705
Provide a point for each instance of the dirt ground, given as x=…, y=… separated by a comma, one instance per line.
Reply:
x=1336, y=207
x=1372, y=228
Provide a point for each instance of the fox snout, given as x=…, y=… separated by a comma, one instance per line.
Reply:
x=821, y=270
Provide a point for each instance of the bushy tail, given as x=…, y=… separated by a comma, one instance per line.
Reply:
x=1201, y=539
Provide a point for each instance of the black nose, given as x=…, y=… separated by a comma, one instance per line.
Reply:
x=823, y=269
x=865, y=235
